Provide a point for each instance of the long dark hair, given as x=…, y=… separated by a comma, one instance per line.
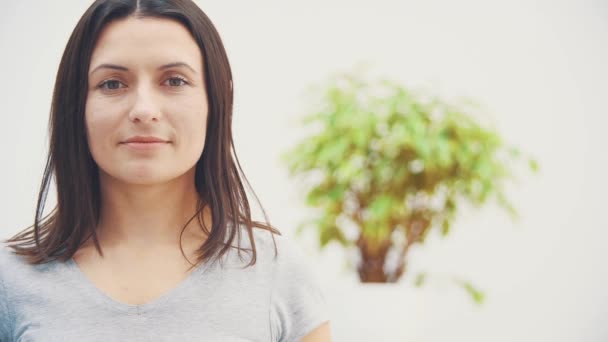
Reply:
x=218, y=171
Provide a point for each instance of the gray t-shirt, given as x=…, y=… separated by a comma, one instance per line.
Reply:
x=274, y=300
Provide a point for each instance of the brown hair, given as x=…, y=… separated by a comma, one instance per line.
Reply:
x=218, y=177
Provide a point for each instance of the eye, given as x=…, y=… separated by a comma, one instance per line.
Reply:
x=177, y=81
x=110, y=85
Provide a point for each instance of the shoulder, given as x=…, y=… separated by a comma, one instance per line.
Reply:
x=10, y=262
x=18, y=275
x=5, y=260
x=292, y=267
x=280, y=251
x=14, y=269
x=279, y=255
x=298, y=302
x=264, y=241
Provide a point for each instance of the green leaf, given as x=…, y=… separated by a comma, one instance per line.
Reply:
x=514, y=152
x=420, y=279
x=380, y=206
x=334, y=151
x=360, y=138
x=330, y=232
x=533, y=165
x=301, y=227
x=325, y=237
x=445, y=228
x=336, y=193
x=476, y=294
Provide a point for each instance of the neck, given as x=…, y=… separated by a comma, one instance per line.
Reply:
x=139, y=217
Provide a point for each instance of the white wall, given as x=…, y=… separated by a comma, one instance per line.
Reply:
x=539, y=67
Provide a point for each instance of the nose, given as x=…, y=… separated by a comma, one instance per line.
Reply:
x=145, y=107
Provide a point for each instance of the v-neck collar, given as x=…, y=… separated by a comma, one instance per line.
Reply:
x=93, y=292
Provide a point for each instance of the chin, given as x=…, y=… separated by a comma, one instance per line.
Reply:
x=137, y=176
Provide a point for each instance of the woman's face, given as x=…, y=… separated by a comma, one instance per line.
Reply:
x=146, y=79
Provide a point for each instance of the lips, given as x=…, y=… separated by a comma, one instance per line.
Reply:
x=144, y=139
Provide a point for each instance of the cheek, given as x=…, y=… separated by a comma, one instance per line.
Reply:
x=100, y=125
x=193, y=124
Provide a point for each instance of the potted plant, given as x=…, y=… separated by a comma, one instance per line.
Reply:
x=387, y=165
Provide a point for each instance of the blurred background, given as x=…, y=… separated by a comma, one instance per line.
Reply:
x=538, y=67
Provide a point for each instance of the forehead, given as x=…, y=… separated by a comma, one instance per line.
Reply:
x=144, y=41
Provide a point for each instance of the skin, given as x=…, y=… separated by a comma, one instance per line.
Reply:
x=147, y=195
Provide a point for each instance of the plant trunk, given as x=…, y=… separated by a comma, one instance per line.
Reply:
x=373, y=256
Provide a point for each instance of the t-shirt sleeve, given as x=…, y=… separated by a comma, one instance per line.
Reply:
x=5, y=316
x=5, y=322
x=298, y=303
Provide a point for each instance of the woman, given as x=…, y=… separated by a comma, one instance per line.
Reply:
x=140, y=145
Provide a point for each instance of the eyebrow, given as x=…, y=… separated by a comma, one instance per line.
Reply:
x=122, y=68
